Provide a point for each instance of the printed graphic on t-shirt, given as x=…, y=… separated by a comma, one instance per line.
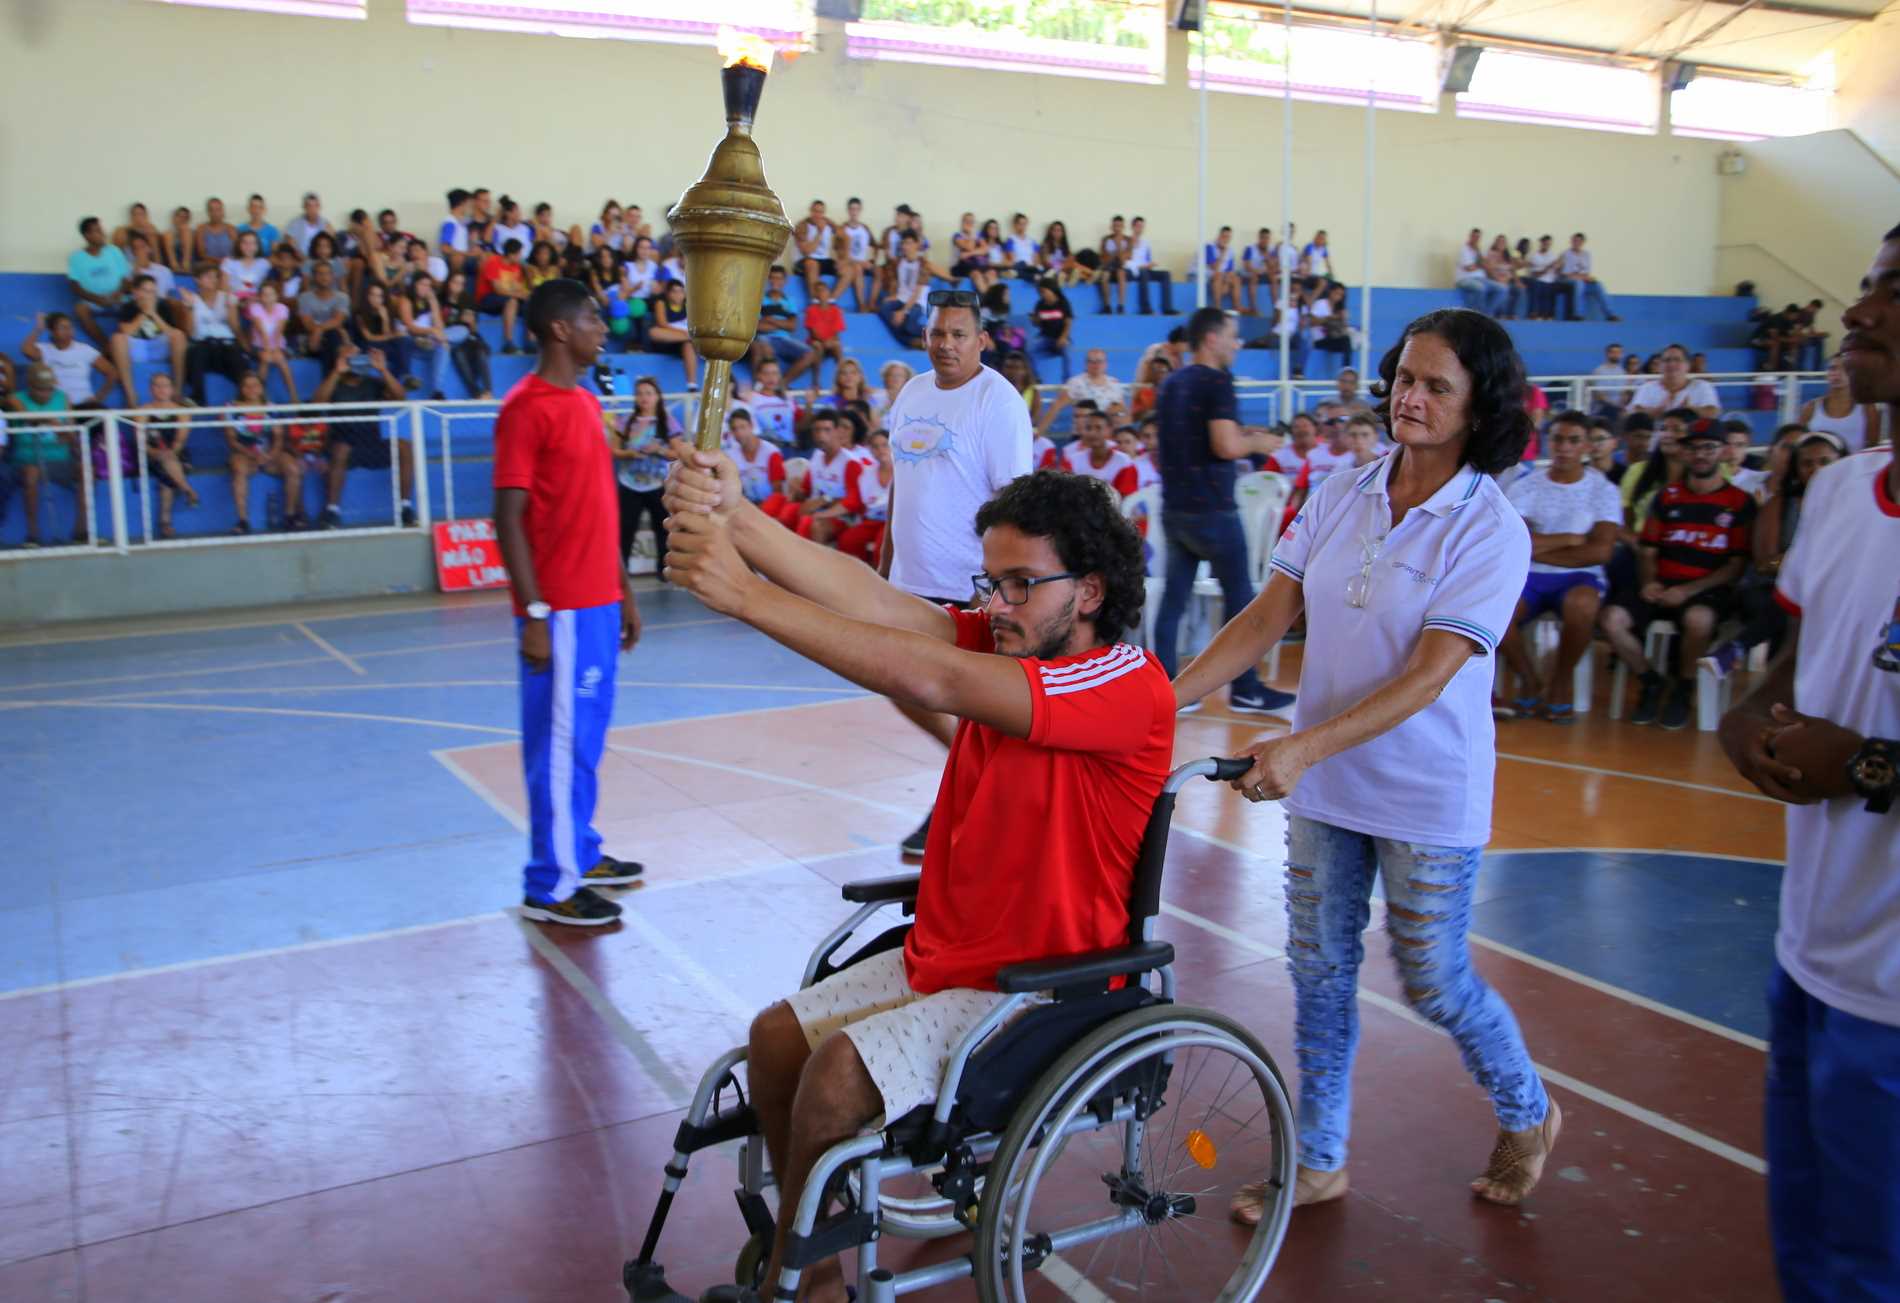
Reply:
x=1887, y=654
x=923, y=438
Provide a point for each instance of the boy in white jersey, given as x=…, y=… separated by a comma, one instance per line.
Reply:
x=1092, y=455
x=815, y=238
x=835, y=468
x=903, y=312
x=853, y=250
x=761, y=466
x=869, y=505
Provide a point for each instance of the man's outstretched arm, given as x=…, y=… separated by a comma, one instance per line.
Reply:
x=702, y=484
x=904, y=663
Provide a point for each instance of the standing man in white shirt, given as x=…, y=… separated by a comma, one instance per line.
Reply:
x=959, y=433
x=1576, y=273
x=1141, y=265
x=1823, y=734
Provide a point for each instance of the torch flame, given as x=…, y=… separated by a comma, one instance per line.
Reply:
x=744, y=48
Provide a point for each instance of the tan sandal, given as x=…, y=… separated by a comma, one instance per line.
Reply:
x=1517, y=1160
x=1249, y=1203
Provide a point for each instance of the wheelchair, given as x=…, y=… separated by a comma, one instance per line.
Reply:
x=1086, y=1135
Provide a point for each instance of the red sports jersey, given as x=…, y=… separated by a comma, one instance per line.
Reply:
x=1119, y=470
x=1694, y=534
x=1032, y=851
x=548, y=441
x=1046, y=454
x=832, y=478
x=824, y=321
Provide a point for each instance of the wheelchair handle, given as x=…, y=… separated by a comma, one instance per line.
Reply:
x=1214, y=769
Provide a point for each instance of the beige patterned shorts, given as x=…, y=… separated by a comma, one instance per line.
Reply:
x=904, y=1038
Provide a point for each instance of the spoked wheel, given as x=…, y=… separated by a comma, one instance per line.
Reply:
x=1137, y=1209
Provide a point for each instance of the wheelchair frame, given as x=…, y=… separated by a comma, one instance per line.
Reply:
x=942, y=1142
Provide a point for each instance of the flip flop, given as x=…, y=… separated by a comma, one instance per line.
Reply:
x=1561, y=713
x=1527, y=706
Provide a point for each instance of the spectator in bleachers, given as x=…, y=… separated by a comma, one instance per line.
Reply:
x=761, y=464
x=773, y=412
x=544, y=264
x=266, y=318
x=509, y=225
x=1647, y=474
x=1095, y=456
x=139, y=248
x=73, y=362
x=175, y=245
x=1605, y=451
x=603, y=273
x=1856, y=425
x=247, y=266
x=640, y=450
x=40, y=454
x=308, y=224
x=368, y=258
x=1574, y=515
x=1346, y=385
x=1316, y=259
x=835, y=468
x=1362, y=440
x=452, y=239
x=1259, y=266
x=1128, y=438
x=890, y=247
x=1217, y=268
x=1803, y=453
x=468, y=349
x=323, y=249
x=165, y=441
x=1545, y=264
x=848, y=386
x=360, y=440
x=545, y=229
x=1289, y=321
x=1113, y=272
x=1024, y=252
x=1057, y=260
x=869, y=505
x=1578, y=274
x=1021, y=374
x=1675, y=387
x=1695, y=545
x=501, y=289
x=1153, y=369
x=645, y=276
x=855, y=250
x=1699, y=363
x=389, y=226
x=669, y=333
x=903, y=312
x=824, y=330
x=1201, y=442
x=100, y=279
x=323, y=312
x=1740, y=466
x=256, y=222
x=1610, y=395
x=816, y=241
x=1141, y=265
x=1500, y=290
x=1054, y=321
x=776, y=335
x=138, y=221
x=377, y=329
x=972, y=256
x=216, y=239
x=891, y=378
x=1095, y=382
x=1472, y=284
x=286, y=273
x=1810, y=342
x=145, y=336
x=255, y=445
x=610, y=230
x=1331, y=330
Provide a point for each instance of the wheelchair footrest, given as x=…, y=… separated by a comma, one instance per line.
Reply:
x=845, y=1230
x=736, y=1124
x=646, y=1283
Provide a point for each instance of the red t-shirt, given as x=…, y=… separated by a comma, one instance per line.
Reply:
x=1032, y=852
x=824, y=320
x=495, y=270
x=549, y=441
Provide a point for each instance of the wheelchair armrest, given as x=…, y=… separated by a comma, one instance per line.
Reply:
x=1092, y=969
x=902, y=886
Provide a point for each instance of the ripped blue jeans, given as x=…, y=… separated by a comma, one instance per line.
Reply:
x=1428, y=911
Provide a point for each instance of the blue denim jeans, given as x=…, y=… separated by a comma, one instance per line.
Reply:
x=1329, y=873
x=1482, y=294
x=1217, y=538
x=906, y=325
x=1833, y=1143
x=1040, y=346
x=1593, y=296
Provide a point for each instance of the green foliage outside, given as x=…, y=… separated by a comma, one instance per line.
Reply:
x=1128, y=25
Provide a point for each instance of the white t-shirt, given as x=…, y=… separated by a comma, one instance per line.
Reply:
x=454, y=235
x=1078, y=462
x=909, y=276
x=1651, y=395
x=773, y=416
x=1217, y=258
x=1139, y=254
x=759, y=474
x=1022, y=248
x=954, y=449
x=165, y=282
x=1105, y=392
x=1544, y=266
x=1254, y=256
x=1575, y=508
x=857, y=241
x=1319, y=260
x=245, y=277
x=519, y=231
x=72, y=368
x=1576, y=262
x=1322, y=462
x=1470, y=261
x=1839, y=936
x=1456, y=562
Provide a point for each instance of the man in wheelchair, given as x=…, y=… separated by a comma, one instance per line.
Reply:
x=1066, y=739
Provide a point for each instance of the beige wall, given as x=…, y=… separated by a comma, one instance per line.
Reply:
x=1867, y=63
x=105, y=101
x=1804, y=217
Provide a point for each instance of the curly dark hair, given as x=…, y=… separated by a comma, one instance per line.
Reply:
x=1086, y=525
x=1500, y=427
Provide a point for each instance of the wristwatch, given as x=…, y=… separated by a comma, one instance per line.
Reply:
x=538, y=610
x=1874, y=771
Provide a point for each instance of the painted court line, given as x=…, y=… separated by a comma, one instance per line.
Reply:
x=282, y=711
x=744, y=772
x=625, y=1032
x=1641, y=778
x=746, y=713
x=329, y=648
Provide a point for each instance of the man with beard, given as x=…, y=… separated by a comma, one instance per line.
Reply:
x=1065, y=738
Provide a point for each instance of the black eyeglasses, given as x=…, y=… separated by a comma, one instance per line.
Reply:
x=1014, y=588
x=953, y=299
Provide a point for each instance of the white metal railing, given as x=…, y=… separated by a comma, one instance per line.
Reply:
x=458, y=440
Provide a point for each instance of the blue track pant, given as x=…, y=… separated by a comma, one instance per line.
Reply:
x=565, y=711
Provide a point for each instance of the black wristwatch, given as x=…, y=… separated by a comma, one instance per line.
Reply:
x=1874, y=771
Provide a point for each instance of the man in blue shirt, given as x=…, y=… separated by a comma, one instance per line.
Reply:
x=255, y=223
x=1201, y=440
x=777, y=335
x=100, y=279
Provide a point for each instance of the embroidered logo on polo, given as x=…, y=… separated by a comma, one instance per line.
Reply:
x=923, y=438
x=1413, y=573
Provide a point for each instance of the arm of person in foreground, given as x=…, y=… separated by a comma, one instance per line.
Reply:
x=904, y=664
x=1244, y=640
x=1792, y=757
x=1280, y=761
x=703, y=484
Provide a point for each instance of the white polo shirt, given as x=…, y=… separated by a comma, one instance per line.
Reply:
x=1839, y=935
x=1456, y=562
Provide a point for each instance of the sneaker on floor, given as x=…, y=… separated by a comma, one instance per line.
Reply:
x=611, y=872
x=585, y=908
x=331, y=519
x=408, y=516
x=1192, y=708
x=1261, y=701
x=1675, y=710
x=915, y=843
x=242, y=527
x=1647, y=702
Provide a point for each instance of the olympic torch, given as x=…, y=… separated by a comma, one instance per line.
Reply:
x=729, y=226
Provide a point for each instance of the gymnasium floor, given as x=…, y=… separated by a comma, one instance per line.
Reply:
x=273, y=1034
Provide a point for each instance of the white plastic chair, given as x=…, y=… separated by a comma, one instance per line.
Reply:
x=1145, y=504
x=1261, y=497
x=1546, y=632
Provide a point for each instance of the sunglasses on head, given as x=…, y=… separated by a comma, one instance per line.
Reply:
x=953, y=299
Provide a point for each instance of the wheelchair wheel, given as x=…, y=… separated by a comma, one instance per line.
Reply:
x=754, y=1257
x=1159, y=1118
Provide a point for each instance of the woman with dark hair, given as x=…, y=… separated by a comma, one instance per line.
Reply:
x=1056, y=258
x=1054, y=320
x=640, y=465
x=467, y=349
x=1408, y=571
x=377, y=327
x=323, y=249
x=544, y=264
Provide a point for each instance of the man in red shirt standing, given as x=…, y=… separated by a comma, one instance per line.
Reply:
x=557, y=517
x=1066, y=734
